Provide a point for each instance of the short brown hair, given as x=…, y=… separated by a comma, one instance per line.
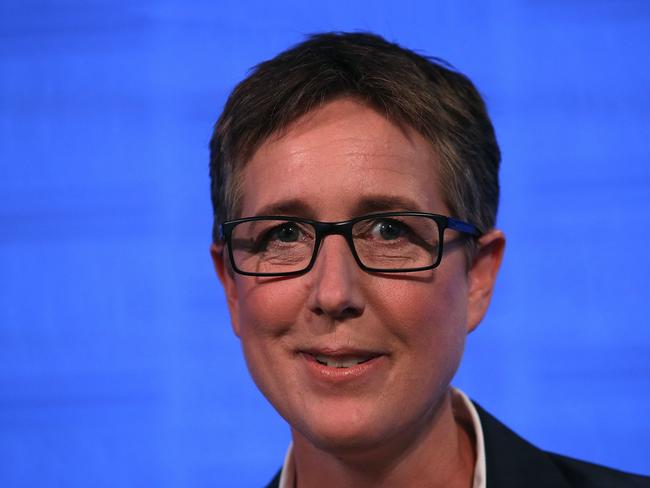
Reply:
x=422, y=92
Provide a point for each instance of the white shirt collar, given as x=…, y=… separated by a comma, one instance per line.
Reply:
x=480, y=480
x=460, y=400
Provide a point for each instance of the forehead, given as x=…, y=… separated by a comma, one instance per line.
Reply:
x=338, y=159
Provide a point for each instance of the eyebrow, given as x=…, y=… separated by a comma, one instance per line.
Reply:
x=293, y=207
x=386, y=203
x=368, y=204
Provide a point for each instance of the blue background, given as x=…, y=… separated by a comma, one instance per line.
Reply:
x=117, y=363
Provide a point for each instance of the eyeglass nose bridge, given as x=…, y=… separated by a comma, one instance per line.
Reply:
x=324, y=229
x=344, y=229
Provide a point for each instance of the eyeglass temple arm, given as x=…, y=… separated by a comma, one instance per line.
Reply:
x=461, y=226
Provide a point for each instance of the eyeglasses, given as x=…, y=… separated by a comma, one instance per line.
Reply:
x=388, y=242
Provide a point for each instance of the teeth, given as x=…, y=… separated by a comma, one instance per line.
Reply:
x=341, y=362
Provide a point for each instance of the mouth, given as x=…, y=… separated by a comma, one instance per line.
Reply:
x=342, y=361
x=340, y=358
x=337, y=367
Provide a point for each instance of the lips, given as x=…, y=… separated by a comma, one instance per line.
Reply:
x=334, y=370
x=340, y=358
x=342, y=361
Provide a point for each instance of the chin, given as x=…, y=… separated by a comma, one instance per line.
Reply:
x=344, y=441
x=358, y=431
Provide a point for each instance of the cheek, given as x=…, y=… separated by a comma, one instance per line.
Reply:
x=424, y=306
x=429, y=321
x=268, y=309
x=267, y=316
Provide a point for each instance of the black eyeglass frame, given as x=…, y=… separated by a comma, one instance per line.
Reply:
x=344, y=228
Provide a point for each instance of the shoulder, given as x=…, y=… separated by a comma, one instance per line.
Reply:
x=275, y=482
x=584, y=474
x=514, y=462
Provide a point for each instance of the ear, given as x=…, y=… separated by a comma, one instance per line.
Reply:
x=483, y=274
x=227, y=278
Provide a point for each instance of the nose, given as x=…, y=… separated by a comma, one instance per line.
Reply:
x=335, y=286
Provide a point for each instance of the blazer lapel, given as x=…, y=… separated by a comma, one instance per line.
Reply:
x=512, y=462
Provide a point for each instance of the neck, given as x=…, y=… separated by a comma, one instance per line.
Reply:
x=437, y=453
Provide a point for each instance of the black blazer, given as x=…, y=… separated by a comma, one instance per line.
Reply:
x=512, y=462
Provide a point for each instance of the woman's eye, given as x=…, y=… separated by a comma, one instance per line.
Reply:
x=389, y=230
x=285, y=233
